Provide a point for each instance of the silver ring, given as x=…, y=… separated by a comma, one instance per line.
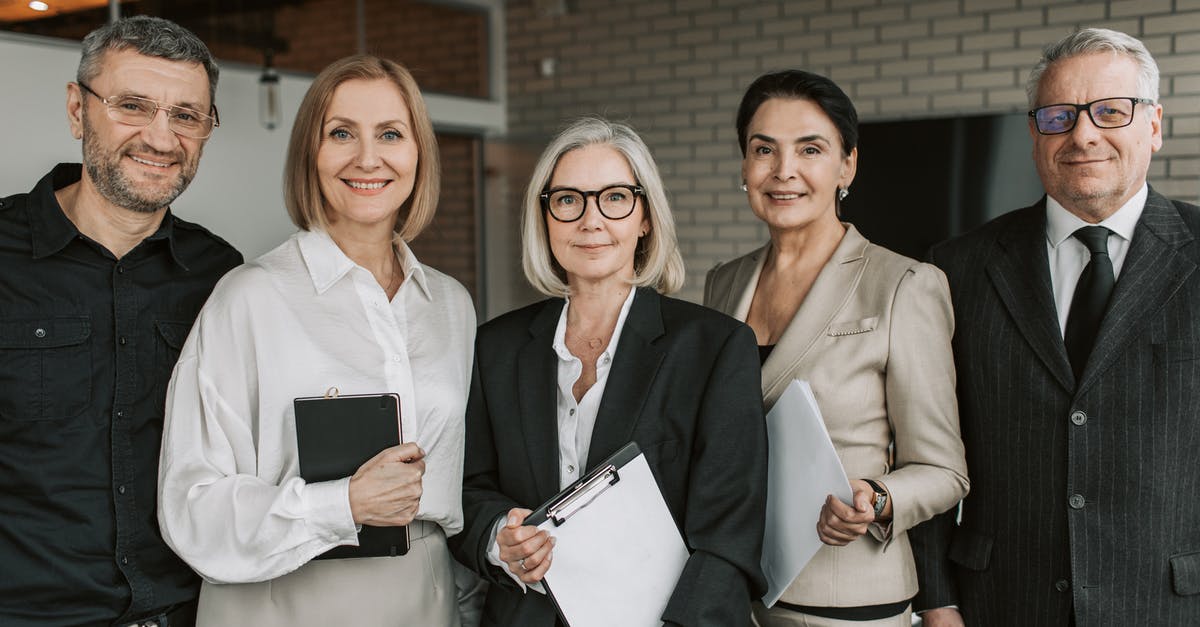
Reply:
x=521, y=563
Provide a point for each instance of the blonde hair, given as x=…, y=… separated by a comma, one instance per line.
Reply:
x=656, y=263
x=301, y=182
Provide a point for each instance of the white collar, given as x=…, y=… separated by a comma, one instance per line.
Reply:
x=327, y=264
x=1062, y=224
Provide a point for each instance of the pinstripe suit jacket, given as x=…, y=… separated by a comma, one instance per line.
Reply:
x=1083, y=494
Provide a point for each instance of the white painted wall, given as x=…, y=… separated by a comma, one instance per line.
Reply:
x=238, y=191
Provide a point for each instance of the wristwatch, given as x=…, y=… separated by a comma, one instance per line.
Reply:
x=879, y=499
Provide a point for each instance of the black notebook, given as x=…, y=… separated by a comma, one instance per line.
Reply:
x=337, y=434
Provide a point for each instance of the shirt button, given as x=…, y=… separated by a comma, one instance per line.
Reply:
x=570, y=468
x=572, y=412
x=39, y=333
x=124, y=560
x=1078, y=417
x=396, y=358
x=123, y=341
x=120, y=269
x=120, y=414
x=120, y=489
x=1062, y=585
x=1076, y=501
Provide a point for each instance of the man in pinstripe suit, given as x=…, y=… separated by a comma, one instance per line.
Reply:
x=1085, y=463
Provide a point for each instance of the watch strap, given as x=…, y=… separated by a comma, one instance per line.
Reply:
x=881, y=497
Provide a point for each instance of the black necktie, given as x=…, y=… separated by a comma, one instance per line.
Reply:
x=1091, y=298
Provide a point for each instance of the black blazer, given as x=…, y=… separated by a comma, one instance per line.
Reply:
x=1083, y=493
x=684, y=385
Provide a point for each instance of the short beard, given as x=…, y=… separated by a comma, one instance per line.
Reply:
x=112, y=184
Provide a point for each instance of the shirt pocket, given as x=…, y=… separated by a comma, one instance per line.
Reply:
x=45, y=367
x=170, y=336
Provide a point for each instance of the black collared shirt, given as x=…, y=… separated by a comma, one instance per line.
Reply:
x=87, y=344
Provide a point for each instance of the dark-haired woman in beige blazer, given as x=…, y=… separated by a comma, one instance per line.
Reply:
x=867, y=328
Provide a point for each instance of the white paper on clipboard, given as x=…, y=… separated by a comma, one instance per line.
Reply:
x=803, y=468
x=618, y=553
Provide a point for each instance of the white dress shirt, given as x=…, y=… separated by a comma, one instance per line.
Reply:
x=295, y=322
x=1068, y=256
x=576, y=420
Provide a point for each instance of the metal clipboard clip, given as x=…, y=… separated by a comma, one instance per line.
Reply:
x=586, y=492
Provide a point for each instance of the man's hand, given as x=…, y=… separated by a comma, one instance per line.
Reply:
x=942, y=617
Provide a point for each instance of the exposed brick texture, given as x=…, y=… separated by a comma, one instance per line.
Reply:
x=684, y=64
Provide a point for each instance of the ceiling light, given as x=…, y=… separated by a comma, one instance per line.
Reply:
x=37, y=5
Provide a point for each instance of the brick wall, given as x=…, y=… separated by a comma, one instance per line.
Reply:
x=676, y=70
x=449, y=243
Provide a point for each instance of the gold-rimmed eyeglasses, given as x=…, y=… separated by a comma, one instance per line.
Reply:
x=138, y=111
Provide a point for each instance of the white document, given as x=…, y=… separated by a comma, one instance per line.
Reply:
x=618, y=553
x=802, y=470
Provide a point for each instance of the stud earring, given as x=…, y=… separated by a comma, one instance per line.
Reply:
x=744, y=187
x=842, y=193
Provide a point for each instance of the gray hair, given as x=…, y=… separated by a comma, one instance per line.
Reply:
x=657, y=262
x=1096, y=40
x=150, y=36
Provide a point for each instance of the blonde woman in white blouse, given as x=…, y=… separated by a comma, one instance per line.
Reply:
x=343, y=303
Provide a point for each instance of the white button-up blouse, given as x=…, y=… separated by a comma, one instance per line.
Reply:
x=293, y=323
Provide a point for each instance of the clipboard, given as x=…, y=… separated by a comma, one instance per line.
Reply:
x=618, y=553
x=337, y=434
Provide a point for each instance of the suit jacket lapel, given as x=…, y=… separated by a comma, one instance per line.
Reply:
x=537, y=397
x=631, y=377
x=828, y=295
x=1020, y=273
x=1153, y=271
x=743, y=282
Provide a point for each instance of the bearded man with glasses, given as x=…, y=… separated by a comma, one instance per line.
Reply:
x=99, y=285
x=1077, y=346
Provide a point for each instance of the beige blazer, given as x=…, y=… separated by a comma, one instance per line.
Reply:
x=872, y=338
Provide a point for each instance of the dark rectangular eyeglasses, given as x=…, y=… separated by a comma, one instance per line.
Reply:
x=1105, y=113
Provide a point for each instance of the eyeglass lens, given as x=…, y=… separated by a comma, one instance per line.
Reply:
x=1109, y=113
x=615, y=202
x=141, y=111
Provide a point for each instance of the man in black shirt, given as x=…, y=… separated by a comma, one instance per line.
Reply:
x=99, y=284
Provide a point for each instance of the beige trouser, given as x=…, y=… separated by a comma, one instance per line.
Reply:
x=780, y=617
x=413, y=589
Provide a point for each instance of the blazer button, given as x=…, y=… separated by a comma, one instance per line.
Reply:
x=1078, y=417
x=1062, y=585
x=1076, y=501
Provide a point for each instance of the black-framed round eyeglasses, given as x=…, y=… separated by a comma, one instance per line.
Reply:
x=567, y=204
x=1056, y=119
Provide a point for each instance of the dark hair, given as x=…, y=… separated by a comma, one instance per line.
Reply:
x=149, y=36
x=798, y=84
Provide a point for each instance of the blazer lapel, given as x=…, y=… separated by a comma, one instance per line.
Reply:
x=537, y=397
x=1020, y=272
x=1153, y=271
x=631, y=377
x=737, y=301
x=828, y=295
